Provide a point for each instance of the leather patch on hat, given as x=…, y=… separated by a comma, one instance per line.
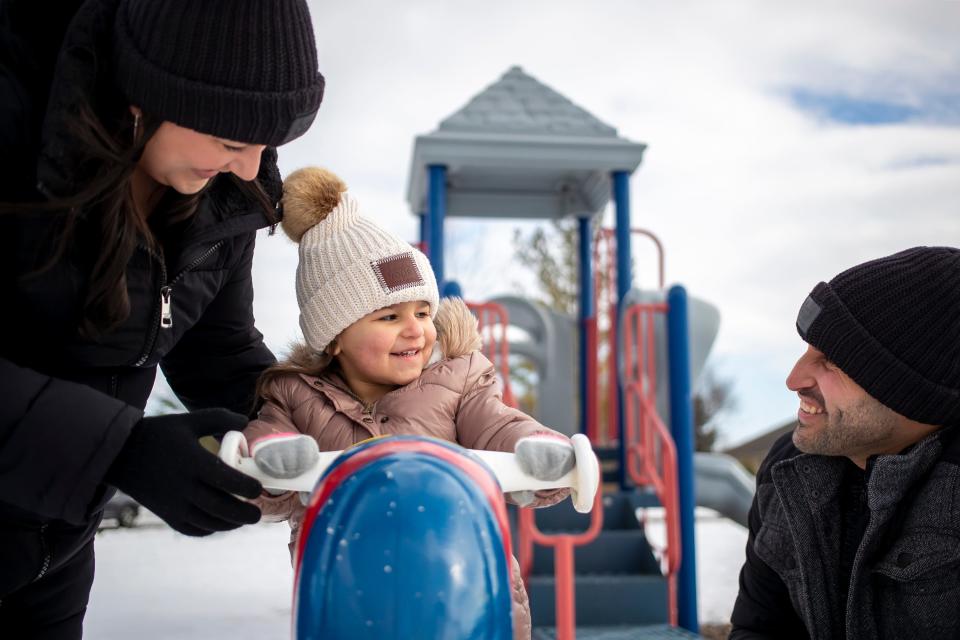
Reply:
x=397, y=272
x=809, y=311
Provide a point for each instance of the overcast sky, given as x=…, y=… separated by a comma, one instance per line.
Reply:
x=786, y=142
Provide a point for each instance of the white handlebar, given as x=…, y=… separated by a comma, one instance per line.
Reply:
x=583, y=479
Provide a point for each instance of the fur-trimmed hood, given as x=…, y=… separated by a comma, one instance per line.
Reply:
x=457, y=332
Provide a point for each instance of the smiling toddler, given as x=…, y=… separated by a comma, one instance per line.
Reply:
x=383, y=356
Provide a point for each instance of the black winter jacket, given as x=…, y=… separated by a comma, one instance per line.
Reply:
x=905, y=576
x=68, y=403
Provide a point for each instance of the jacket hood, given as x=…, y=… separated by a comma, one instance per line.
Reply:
x=457, y=335
x=457, y=332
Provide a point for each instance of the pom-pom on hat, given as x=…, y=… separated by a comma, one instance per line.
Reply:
x=349, y=265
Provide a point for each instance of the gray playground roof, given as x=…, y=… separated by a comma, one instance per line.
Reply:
x=520, y=149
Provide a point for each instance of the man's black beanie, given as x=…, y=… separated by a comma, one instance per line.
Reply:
x=893, y=325
x=244, y=70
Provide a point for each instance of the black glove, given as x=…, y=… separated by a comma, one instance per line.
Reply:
x=164, y=467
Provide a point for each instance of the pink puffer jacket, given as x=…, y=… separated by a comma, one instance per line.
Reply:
x=457, y=399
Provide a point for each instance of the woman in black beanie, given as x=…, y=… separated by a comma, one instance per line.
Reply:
x=137, y=147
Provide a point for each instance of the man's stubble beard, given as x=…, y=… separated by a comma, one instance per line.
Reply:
x=857, y=430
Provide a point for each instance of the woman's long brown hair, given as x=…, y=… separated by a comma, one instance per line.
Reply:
x=107, y=202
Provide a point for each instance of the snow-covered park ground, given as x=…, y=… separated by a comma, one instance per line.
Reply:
x=155, y=584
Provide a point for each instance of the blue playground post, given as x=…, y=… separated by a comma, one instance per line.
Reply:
x=586, y=314
x=425, y=231
x=621, y=196
x=437, y=208
x=451, y=289
x=681, y=427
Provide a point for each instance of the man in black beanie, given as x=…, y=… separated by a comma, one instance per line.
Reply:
x=855, y=527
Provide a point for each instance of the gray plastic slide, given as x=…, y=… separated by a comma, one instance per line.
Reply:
x=549, y=345
x=722, y=484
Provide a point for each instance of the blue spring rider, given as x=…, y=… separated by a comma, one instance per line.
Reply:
x=404, y=537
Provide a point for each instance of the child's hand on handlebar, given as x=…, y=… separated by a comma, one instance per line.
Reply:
x=545, y=457
x=285, y=456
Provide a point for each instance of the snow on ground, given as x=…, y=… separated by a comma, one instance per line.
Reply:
x=721, y=547
x=155, y=584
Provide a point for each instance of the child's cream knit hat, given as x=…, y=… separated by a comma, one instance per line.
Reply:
x=349, y=266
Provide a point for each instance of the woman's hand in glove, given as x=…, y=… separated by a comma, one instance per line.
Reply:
x=164, y=467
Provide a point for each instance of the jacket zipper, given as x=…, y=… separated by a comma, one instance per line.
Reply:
x=368, y=409
x=166, y=314
x=154, y=326
x=163, y=316
x=166, y=292
x=45, y=550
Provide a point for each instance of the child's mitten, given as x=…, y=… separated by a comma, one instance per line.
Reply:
x=545, y=457
x=284, y=456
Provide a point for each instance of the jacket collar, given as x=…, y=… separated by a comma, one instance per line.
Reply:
x=890, y=477
x=331, y=385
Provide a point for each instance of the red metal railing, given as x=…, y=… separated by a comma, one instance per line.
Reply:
x=492, y=322
x=563, y=565
x=652, y=455
x=602, y=430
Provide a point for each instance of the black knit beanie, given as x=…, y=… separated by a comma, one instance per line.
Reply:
x=244, y=70
x=893, y=325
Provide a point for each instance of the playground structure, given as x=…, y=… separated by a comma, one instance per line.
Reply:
x=520, y=150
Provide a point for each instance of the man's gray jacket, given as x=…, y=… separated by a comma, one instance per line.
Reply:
x=905, y=577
